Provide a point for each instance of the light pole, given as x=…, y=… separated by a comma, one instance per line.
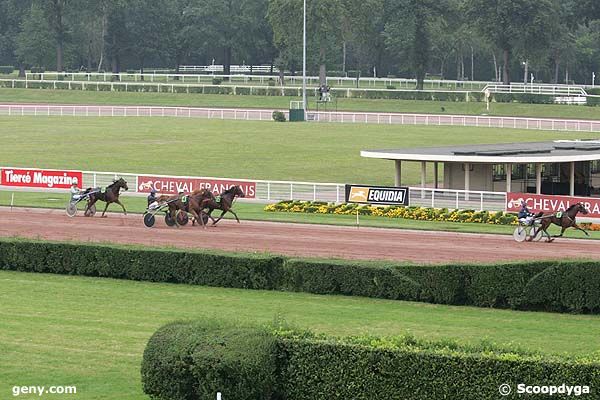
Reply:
x=304, y=62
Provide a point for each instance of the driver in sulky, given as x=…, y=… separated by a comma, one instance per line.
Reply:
x=525, y=216
x=152, y=202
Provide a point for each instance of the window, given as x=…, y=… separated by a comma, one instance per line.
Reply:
x=498, y=172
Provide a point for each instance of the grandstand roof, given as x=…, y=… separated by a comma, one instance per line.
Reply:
x=528, y=152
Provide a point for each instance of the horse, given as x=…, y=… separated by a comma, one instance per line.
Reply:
x=565, y=220
x=189, y=203
x=223, y=203
x=110, y=195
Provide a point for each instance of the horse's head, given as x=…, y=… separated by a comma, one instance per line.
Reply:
x=121, y=183
x=237, y=191
x=581, y=208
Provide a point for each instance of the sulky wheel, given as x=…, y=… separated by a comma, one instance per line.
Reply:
x=72, y=209
x=168, y=220
x=182, y=217
x=91, y=211
x=520, y=234
x=149, y=220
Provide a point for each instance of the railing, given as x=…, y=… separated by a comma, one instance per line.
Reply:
x=459, y=120
x=321, y=116
x=552, y=90
x=271, y=191
x=233, y=68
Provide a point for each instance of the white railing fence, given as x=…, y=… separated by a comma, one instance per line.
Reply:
x=321, y=116
x=268, y=191
x=553, y=90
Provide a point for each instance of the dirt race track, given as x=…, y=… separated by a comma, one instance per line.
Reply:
x=291, y=239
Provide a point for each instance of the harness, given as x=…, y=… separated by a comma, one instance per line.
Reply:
x=186, y=203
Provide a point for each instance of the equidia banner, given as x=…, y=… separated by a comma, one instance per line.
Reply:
x=384, y=195
x=549, y=204
x=173, y=185
x=40, y=178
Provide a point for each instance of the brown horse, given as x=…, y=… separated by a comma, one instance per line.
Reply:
x=109, y=195
x=223, y=203
x=187, y=204
x=565, y=220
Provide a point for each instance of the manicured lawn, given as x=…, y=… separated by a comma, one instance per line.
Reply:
x=91, y=332
x=254, y=211
x=235, y=149
x=199, y=100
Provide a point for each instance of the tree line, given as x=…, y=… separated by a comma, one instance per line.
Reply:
x=554, y=41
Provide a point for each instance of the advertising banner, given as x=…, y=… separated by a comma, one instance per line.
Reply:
x=384, y=195
x=173, y=185
x=550, y=204
x=40, y=178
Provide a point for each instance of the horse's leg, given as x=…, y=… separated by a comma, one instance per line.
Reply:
x=581, y=229
x=562, y=230
x=105, y=208
x=220, y=216
x=235, y=215
x=198, y=217
x=122, y=206
x=89, y=204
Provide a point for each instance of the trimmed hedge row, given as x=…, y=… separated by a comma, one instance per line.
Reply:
x=195, y=360
x=568, y=286
x=315, y=367
x=236, y=271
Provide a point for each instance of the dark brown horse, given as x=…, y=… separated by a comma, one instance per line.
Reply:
x=187, y=204
x=565, y=219
x=109, y=195
x=223, y=203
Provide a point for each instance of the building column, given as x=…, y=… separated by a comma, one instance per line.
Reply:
x=423, y=177
x=435, y=174
x=538, y=178
x=572, y=178
x=508, y=168
x=467, y=180
x=398, y=176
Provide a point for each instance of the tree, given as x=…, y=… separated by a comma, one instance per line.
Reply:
x=323, y=26
x=408, y=33
x=511, y=24
x=362, y=27
x=146, y=26
x=55, y=13
x=33, y=42
x=12, y=13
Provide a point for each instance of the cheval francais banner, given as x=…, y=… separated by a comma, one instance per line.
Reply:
x=174, y=185
x=550, y=204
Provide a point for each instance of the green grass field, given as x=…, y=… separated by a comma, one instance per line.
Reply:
x=91, y=332
x=237, y=149
x=199, y=100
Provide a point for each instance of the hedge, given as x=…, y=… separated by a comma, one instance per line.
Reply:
x=559, y=286
x=195, y=360
x=366, y=367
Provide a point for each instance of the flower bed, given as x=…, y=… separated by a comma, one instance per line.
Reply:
x=416, y=213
